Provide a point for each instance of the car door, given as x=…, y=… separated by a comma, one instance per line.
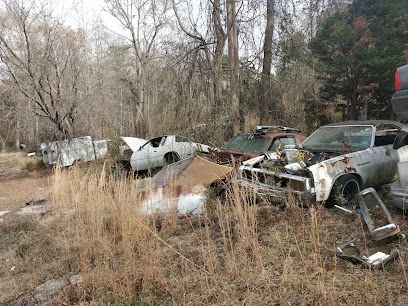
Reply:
x=376, y=165
x=157, y=153
x=385, y=158
x=148, y=155
x=184, y=147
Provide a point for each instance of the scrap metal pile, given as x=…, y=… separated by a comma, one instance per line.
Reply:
x=330, y=167
x=380, y=246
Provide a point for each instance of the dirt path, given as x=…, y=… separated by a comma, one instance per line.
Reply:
x=16, y=192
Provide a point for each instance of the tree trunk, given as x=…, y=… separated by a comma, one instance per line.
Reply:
x=353, y=113
x=17, y=125
x=266, y=109
x=217, y=66
x=36, y=130
x=233, y=59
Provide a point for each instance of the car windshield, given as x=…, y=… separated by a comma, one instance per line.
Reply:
x=340, y=137
x=246, y=143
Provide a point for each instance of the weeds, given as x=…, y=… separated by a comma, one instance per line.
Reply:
x=23, y=228
x=237, y=252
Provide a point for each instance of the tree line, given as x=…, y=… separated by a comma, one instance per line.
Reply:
x=203, y=69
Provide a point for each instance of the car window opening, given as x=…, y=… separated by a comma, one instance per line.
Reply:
x=280, y=143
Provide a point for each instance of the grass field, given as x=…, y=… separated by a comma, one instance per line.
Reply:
x=235, y=253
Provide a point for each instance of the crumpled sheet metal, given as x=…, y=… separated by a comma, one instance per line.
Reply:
x=379, y=247
x=66, y=152
x=189, y=172
x=188, y=200
x=181, y=186
x=353, y=251
x=376, y=215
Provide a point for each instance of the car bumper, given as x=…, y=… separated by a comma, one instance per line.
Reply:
x=298, y=187
x=400, y=104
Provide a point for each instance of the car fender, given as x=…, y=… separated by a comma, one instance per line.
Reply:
x=327, y=172
x=324, y=179
x=139, y=160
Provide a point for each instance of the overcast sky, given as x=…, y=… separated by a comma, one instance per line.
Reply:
x=82, y=13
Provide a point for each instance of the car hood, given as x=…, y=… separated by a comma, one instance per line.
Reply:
x=226, y=154
x=134, y=143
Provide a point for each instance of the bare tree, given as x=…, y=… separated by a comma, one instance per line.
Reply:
x=45, y=61
x=143, y=19
x=265, y=109
x=214, y=58
x=220, y=38
x=233, y=59
x=6, y=120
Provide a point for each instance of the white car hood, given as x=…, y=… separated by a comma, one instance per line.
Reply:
x=134, y=143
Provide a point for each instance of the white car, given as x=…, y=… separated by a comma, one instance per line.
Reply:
x=164, y=150
x=334, y=163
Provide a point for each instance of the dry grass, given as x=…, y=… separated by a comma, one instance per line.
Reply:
x=17, y=164
x=235, y=253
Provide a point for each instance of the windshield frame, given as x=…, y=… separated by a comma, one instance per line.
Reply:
x=267, y=143
x=373, y=130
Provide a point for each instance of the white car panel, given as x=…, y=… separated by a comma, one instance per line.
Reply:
x=153, y=153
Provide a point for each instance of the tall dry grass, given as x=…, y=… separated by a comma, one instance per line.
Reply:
x=236, y=252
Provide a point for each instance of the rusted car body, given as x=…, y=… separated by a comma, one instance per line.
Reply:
x=341, y=157
x=181, y=186
x=66, y=152
x=265, y=139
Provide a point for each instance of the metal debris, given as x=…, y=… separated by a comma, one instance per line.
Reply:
x=373, y=211
x=380, y=225
x=353, y=251
x=181, y=186
x=66, y=152
x=34, y=210
x=36, y=202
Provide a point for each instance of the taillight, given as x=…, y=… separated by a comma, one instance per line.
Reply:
x=397, y=81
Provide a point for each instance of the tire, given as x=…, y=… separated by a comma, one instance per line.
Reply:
x=344, y=191
x=171, y=157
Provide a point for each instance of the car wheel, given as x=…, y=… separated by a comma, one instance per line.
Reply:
x=171, y=157
x=344, y=192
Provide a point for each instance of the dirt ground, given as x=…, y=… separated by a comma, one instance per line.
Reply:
x=15, y=193
x=22, y=179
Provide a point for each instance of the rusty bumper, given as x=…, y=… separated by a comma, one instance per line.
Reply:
x=259, y=180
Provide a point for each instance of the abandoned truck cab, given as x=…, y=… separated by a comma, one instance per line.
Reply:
x=331, y=165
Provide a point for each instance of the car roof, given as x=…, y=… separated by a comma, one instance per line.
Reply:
x=367, y=122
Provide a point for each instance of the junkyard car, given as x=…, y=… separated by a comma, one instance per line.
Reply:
x=125, y=148
x=400, y=98
x=331, y=165
x=164, y=150
x=265, y=139
x=399, y=188
x=69, y=151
